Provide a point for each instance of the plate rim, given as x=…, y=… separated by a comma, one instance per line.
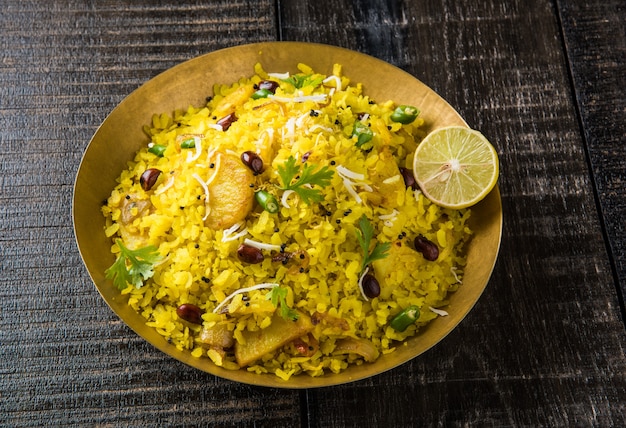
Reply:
x=269, y=380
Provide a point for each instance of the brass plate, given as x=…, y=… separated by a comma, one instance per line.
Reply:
x=120, y=136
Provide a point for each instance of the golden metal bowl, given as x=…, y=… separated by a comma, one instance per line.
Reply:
x=121, y=135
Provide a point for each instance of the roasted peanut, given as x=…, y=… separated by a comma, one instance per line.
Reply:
x=253, y=161
x=409, y=178
x=190, y=313
x=429, y=250
x=149, y=178
x=226, y=121
x=371, y=287
x=249, y=254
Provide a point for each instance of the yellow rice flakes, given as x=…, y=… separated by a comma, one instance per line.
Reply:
x=200, y=265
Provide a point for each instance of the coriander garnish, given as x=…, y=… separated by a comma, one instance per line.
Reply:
x=365, y=233
x=278, y=296
x=133, y=266
x=301, y=180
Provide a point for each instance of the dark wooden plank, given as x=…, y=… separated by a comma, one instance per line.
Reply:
x=595, y=38
x=66, y=358
x=544, y=346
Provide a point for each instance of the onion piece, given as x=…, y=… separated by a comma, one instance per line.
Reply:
x=362, y=347
x=303, y=259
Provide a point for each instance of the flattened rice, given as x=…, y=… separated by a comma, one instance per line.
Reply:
x=273, y=267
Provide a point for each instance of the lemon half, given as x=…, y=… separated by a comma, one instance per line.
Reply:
x=455, y=167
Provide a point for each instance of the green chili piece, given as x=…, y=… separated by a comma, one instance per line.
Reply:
x=405, y=318
x=261, y=93
x=188, y=144
x=157, y=149
x=363, y=133
x=267, y=201
x=404, y=114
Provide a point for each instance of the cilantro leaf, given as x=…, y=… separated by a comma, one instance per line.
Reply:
x=288, y=171
x=364, y=235
x=133, y=266
x=366, y=232
x=299, y=81
x=118, y=273
x=278, y=296
x=301, y=180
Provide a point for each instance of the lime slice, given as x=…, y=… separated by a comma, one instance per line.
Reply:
x=455, y=167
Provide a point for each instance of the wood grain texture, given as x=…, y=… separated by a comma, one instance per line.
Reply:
x=516, y=360
x=595, y=41
x=66, y=358
x=543, y=347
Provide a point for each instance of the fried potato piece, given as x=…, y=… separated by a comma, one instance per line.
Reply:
x=230, y=102
x=217, y=336
x=133, y=207
x=279, y=333
x=232, y=197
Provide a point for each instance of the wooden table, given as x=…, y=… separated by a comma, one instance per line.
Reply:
x=544, y=80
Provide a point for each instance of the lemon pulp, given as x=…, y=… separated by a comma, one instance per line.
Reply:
x=455, y=167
